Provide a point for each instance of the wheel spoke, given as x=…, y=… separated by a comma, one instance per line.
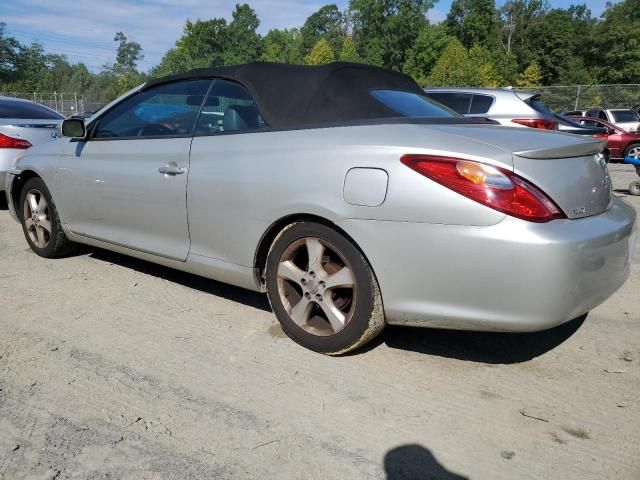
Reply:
x=289, y=271
x=315, y=249
x=33, y=203
x=28, y=223
x=334, y=315
x=342, y=278
x=41, y=241
x=301, y=311
x=46, y=224
x=42, y=204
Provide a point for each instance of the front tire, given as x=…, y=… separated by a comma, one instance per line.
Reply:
x=322, y=289
x=40, y=221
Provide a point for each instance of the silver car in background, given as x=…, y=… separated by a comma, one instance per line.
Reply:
x=507, y=107
x=22, y=124
x=342, y=192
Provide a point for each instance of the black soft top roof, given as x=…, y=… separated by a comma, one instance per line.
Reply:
x=296, y=95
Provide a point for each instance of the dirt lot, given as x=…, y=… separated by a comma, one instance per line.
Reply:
x=116, y=368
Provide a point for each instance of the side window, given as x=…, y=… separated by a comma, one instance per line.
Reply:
x=165, y=110
x=458, y=102
x=228, y=108
x=603, y=115
x=481, y=103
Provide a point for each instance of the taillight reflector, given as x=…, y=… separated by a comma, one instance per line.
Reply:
x=10, y=142
x=536, y=123
x=494, y=187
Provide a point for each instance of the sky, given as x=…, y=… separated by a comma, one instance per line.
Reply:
x=84, y=29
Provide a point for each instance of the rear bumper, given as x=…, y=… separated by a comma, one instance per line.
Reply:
x=6, y=161
x=512, y=276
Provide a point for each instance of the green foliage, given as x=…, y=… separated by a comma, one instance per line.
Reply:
x=459, y=67
x=327, y=23
x=385, y=30
x=531, y=77
x=349, y=52
x=427, y=48
x=524, y=43
x=474, y=22
x=320, y=54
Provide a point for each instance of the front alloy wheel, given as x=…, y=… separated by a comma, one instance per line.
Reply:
x=322, y=289
x=37, y=218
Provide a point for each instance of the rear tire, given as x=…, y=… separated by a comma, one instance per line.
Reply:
x=632, y=151
x=634, y=188
x=322, y=289
x=40, y=221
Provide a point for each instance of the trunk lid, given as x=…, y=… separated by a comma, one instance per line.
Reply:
x=34, y=131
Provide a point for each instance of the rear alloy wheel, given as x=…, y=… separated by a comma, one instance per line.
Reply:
x=634, y=187
x=40, y=221
x=633, y=151
x=322, y=289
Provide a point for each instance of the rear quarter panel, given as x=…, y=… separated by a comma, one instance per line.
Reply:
x=240, y=184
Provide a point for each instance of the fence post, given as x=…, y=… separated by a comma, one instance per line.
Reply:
x=577, y=98
x=75, y=98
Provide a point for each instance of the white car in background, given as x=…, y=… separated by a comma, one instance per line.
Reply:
x=22, y=124
x=625, y=118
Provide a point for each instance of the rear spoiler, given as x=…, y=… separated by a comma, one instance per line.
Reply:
x=586, y=147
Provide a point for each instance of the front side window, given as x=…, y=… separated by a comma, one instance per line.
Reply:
x=228, y=108
x=169, y=109
x=410, y=104
x=603, y=115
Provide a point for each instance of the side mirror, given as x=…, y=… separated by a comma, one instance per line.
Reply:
x=73, y=128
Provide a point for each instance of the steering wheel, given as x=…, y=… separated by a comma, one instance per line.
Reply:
x=153, y=129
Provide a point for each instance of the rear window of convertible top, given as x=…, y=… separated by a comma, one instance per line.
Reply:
x=410, y=104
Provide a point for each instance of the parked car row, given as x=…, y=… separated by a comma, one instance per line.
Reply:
x=345, y=192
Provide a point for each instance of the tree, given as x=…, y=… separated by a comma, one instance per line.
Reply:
x=327, y=23
x=616, y=56
x=320, y=54
x=349, y=52
x=243, y=42
x=128, y=54
x=474, y=22
x=531, y=77
x=459, y=67
x=385, y=30
x=423, y=55
x=281, y=46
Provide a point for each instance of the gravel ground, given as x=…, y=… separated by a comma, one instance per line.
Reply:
x=116, y=368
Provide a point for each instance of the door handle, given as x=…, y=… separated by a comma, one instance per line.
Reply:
x=172, y=168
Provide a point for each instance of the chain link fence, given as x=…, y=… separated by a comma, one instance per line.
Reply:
x=581, y=97
x=558, y=98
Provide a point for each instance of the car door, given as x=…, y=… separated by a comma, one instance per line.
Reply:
x=127, y=183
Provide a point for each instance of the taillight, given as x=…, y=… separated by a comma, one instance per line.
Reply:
x=10, y=142
x=494, y=187
x=536, y=123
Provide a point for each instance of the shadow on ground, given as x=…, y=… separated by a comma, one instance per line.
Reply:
x=414, y=462
x=235, y=294
x=3, y=202
x=485, y=347
x=497, y=348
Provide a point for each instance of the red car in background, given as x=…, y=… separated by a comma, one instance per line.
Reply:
x=620, y=143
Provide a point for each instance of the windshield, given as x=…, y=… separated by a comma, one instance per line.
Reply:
x=27, y=110
x=624, y=116
x=409, y=104
x=535, y=103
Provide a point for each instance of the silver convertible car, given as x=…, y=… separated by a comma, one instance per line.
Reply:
x=342, y=192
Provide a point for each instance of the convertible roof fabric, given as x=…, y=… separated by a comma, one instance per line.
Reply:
x=297, y=95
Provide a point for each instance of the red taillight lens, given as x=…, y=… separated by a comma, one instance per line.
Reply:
x=536, y=123
x=10, y=142
x=494, y=187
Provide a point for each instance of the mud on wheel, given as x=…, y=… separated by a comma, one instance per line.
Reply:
x=322, y=289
